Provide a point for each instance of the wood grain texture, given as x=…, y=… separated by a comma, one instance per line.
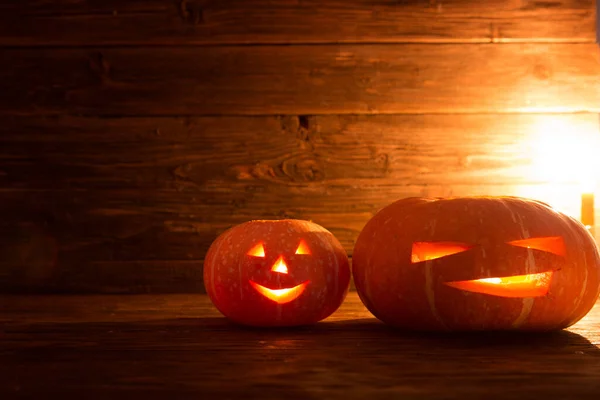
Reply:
x=194, y=155
x=201, y=22
x=130, y=205
x=101, y=241
x=133, y=241
x=179, y=346
x=301, y=80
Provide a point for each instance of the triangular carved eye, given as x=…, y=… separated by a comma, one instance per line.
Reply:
x=257, y=251
x=550, y=244
x=426, y=251
x=302, y=248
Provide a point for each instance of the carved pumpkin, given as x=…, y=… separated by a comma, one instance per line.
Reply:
x=476, y=263
x=276, y=273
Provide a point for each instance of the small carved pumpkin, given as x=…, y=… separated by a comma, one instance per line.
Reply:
x=476, y=263
x=276, y=273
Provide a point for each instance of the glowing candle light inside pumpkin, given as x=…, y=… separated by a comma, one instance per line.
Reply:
x=529, y=285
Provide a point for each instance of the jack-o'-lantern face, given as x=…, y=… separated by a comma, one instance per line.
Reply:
x=476, y=263
x=276, y=273
x=280, y=295
x=528, y=285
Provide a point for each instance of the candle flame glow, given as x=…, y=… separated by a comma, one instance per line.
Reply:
x=564, y=161
x=565, y=153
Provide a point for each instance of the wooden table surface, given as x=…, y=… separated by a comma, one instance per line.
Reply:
x=179, y=346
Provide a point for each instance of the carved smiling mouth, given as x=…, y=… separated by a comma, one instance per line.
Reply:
x=280, y=296
x=531, y=285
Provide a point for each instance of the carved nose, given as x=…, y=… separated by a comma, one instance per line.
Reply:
x=280, y=266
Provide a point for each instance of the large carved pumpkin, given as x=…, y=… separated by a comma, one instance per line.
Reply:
x=476, y=263
x=276, y=273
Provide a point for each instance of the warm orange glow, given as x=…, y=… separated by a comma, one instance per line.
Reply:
x=280, y=296
x=532, y=285
x=257, y=251
x=565, y=151
x=587, y=211
x=552, y=244
x=564, y=158
x=425, y=251
x=302, y=248
x=280, y=266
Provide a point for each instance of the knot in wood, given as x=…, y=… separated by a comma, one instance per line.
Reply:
x=262, y=171
x=192, y=12
x=307, y=169
x=100, y=66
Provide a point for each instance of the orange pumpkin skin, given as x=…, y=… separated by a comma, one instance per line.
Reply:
x=443, y=264
x=248, y=267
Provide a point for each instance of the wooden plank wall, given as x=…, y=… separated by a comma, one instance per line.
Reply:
x=134, y=132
